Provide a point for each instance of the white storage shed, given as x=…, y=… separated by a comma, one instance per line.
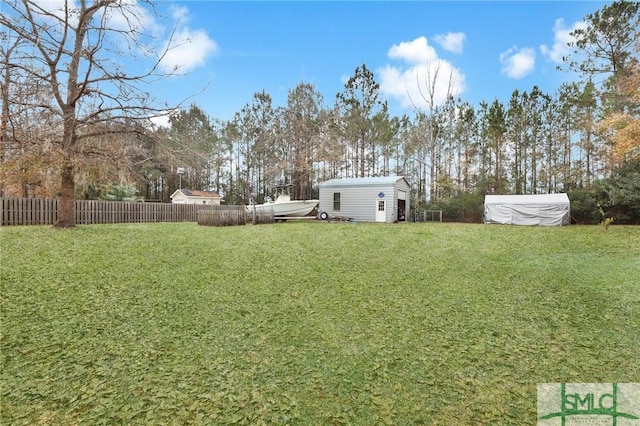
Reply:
x=537, y=209
x=368, y=199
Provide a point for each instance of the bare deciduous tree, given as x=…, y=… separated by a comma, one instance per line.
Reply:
x=74, y=52
x=432, y=93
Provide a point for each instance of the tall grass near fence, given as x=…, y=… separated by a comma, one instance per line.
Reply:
x=310, y=323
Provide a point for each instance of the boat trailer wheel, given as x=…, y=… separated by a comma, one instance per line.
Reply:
x=324, y=215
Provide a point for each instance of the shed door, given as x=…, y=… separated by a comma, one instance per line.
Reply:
x=381, y=210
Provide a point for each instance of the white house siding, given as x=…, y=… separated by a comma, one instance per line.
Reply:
x=359, y=196
x=179, y=197
x=204, y=200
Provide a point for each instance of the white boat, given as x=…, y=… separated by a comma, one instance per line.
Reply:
x=283, y=205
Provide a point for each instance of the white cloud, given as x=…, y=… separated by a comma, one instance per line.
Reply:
x=180, y=14
x=452, y=42
x=415, y=52
x=53, y=14
x=55, y=7
x=133, y=18
x=134, y=27
x=160, y=121
x=561, y=36
x=518, y=63
x=186, y=50
x=425, y=74
x=189, y=48
x=127, y=24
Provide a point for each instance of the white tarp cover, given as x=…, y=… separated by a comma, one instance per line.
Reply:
x=537, y=209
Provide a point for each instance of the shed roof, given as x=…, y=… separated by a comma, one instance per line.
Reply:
x=379, y=180
x=527, y=199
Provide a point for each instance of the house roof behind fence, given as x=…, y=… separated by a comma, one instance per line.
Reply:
x=197, y=193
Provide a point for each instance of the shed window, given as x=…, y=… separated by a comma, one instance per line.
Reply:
x=336, y=201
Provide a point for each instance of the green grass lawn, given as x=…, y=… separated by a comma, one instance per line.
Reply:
x=310, y=323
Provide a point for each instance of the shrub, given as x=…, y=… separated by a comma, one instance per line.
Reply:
x=119, y=192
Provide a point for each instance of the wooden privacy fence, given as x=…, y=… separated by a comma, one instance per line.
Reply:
x=44, y=211
x=260, y=216
x=221, y=217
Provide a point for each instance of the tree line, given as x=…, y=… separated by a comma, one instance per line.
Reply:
x=583, y=139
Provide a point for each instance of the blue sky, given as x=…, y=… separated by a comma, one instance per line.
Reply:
x=237, y=48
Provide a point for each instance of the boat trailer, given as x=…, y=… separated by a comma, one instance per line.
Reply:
x=322, y=215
